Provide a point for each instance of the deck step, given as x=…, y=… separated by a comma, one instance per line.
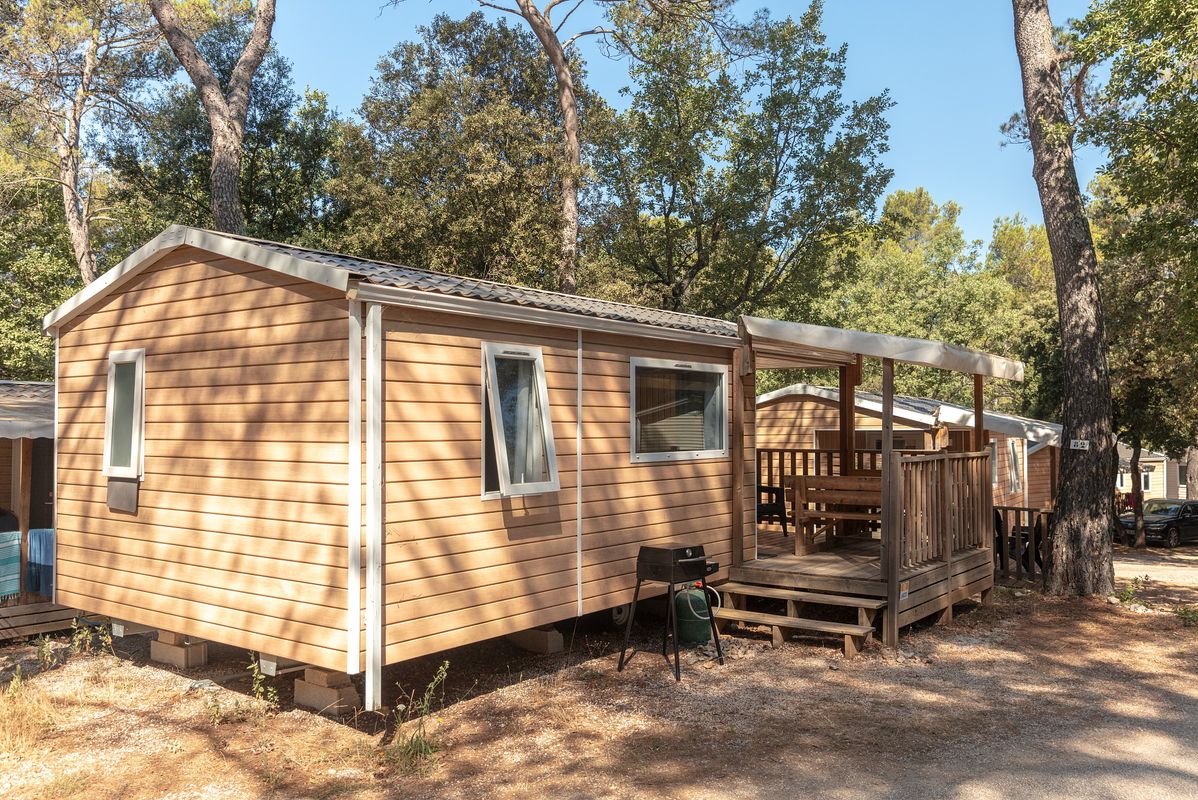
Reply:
x=816, y=598
x=794, y=623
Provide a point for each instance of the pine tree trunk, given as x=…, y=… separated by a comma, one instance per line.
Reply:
x=568, y=101
x=77, y=227
x=1191, y=471
x=225, y=176
x=1137, y=495
x=1082, y=545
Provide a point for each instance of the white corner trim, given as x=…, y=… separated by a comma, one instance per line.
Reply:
x=177, y=236
x=55, y=497
x=353, y=496
x=374, y=506
x=578, y=468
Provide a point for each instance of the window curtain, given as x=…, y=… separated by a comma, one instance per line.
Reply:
x=522, y=426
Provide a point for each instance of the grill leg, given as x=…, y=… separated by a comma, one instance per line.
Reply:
x=715, y=632
x=628, y=628
x=665, y=631
x=674, y=630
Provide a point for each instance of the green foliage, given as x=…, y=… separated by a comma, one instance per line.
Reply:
x=457, y=163
x=414, y=745
x=165, y=161
x=1145, y=213
x=90, y=639
x=1188, y=615
x=730, y=186
x=1130, y=593
x=258, y=687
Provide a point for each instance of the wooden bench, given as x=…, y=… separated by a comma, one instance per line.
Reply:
x=822, y=502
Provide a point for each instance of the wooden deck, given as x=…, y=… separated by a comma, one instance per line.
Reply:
x=855, y=568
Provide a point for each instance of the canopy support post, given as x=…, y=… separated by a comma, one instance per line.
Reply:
x=848, y=420
x=979, y=415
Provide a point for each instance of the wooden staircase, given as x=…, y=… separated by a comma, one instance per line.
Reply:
x=855, y=636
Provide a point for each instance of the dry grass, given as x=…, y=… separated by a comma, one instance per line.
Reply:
x=1031, y=698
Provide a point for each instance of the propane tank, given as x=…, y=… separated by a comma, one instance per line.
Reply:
x=692, y=611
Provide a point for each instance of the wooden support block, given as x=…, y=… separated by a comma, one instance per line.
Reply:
x=946, y=615
x=183, y=656
x=172, y=638
x=775, y=636
x=326, y=678
x=852, y=645
x=326, y=699
x=544, y=640
x=988, y=596
x=275, y=666
x=121, y=629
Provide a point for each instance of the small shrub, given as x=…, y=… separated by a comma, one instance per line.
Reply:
x=258, y=687
x=90, y=639
x=1188, y=615
x=45, y=651
x=223, y=714
x=1130, y=593
x=412, y=749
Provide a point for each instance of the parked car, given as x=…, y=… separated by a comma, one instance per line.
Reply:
x=1166, y=521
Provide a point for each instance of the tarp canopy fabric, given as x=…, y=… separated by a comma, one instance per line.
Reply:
x=781, y=344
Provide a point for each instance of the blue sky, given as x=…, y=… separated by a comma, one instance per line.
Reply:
x=950, y=66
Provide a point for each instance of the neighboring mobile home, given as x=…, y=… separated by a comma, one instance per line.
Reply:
x=27, y=511
x=1024, y=452
x=349, y=463
x=1160, y=476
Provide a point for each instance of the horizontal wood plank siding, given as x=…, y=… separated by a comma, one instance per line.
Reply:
x=460, y=569
x=240, y=531
x=30, y=619
x=791, y=422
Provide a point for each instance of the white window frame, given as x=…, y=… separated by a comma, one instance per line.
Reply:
x=682, y=366
x=1013, y=478
x=486, y=401
x=1146, y=478
x=136, y=466
x=1121, y=481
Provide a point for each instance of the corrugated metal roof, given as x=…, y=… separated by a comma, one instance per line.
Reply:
x=26, y=410
x=385, y=274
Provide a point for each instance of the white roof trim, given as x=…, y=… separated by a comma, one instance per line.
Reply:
x=833, y=395
x=1034, y=430
x=177, y=236
x=928, y=353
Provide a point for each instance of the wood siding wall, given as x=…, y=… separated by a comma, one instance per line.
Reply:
x=461, y=569
x=1039, y=478
x=6, y=498
x=792, y=422
x=240, y=534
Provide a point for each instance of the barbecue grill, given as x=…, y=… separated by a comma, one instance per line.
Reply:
x=672, y=564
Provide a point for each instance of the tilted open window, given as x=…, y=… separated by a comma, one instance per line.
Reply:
x=519, y=456
x=679, y=410
x=123, y=412
x=1015, y=473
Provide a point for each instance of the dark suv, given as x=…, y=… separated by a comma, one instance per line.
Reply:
x=1168, y=522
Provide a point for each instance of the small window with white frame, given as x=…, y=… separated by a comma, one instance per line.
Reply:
x=679, y=410
x=124, y=411
x=1013, y=478
x=992, y=446
x=519, y=456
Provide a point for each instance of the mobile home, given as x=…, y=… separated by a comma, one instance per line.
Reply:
x=349, y=463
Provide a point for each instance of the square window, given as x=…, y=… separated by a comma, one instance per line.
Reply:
x=519, y=456
x=679, y=410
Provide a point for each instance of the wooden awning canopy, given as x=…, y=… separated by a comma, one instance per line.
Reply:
x=783, y=345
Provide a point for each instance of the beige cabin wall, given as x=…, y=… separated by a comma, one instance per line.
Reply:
x=792, y=422
x=1039, y=478
x=459, y=568
x=240, y=532
x=6, y=498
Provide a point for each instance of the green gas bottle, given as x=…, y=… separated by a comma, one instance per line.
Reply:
x=692, y=610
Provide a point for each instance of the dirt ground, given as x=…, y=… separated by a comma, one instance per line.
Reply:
x=1028, y=698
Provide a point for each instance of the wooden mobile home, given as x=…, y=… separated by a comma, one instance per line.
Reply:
x=27, y=512
x=805, y=418
x=349, y=464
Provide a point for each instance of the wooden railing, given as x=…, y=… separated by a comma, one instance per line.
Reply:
x=1021, y=542
x=939, y=504
x=776, y=465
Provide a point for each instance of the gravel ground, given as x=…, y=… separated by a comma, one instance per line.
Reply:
x=1029, y=698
